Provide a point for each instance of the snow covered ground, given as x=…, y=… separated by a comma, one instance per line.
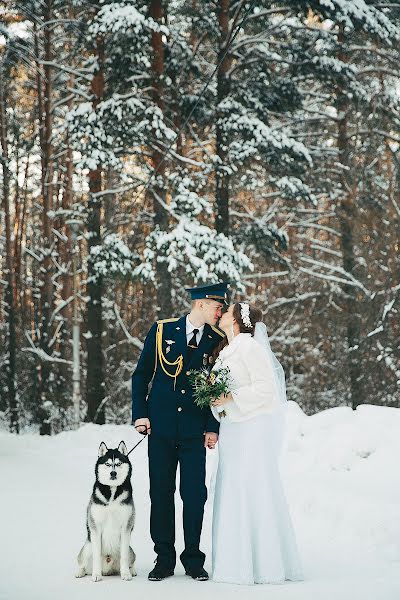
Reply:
x=342, y=480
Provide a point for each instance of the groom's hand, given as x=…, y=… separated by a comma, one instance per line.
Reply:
x=210, y=439
x=143, y=425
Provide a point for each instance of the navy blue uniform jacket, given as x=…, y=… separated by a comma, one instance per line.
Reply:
x=172, y=413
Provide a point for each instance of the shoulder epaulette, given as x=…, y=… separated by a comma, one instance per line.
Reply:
x=221, y=333
x=168, y=320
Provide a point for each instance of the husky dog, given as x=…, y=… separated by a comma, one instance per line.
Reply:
x=110, y=518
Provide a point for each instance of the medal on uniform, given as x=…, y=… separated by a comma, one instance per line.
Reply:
x=168, y=348
x=205, y=360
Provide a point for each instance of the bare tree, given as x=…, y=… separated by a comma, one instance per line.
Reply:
x=44, y=82
x=5, y=67
x=95, y=371
x=158, y=190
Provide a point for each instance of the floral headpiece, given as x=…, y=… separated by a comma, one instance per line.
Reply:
x=245, y=314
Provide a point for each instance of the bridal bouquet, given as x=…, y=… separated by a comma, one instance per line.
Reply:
x=209, y=386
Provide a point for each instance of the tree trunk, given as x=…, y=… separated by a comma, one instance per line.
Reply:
x=66, y=248
x=65, y=251
x=67, y=198
x=95, y=370
x=222, y=224
x=158, y=192
x=44, y=92
x=18, y=250
x=347, y=216
x=9, y=270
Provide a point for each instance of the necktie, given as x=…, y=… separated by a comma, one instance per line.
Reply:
x=193, y=342
x=192, y=345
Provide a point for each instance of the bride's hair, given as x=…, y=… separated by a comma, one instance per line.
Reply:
x=255, y=315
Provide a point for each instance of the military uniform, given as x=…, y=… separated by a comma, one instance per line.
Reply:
x=177, y=434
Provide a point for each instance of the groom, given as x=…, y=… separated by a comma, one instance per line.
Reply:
x=179, y=430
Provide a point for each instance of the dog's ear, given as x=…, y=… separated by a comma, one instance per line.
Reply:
x=102, y=450
x=122, y=448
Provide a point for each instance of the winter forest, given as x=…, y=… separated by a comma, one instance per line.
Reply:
x=148, y=146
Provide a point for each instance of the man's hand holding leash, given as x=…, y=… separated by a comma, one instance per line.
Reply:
x=143, y=426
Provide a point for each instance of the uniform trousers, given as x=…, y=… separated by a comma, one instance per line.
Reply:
x=164, y=455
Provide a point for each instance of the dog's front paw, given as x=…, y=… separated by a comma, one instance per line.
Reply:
x=133, y=571
x=126, y=574
x=80, y=572
x=96, y=577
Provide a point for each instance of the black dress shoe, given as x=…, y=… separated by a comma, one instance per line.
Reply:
x=198, y=574
x=159, y=573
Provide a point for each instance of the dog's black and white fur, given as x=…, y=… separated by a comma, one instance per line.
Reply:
x=110, y=518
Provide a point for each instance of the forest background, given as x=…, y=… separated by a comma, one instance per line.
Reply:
x=151, y=146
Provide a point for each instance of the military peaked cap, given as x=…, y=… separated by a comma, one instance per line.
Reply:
x=214, y=291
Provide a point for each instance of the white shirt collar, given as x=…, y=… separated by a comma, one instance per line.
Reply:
x=190, y=327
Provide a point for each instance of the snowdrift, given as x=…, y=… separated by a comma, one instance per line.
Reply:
x=341, y=476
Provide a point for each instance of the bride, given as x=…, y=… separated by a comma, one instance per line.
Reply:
x=252, y=533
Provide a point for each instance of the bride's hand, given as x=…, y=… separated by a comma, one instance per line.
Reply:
x=223, y=399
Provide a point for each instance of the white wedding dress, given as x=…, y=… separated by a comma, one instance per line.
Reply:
x=253, y=539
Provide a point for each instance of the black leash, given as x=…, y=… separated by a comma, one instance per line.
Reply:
x=144, y=434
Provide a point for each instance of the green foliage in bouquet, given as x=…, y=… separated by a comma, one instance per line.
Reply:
x=209, y=386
